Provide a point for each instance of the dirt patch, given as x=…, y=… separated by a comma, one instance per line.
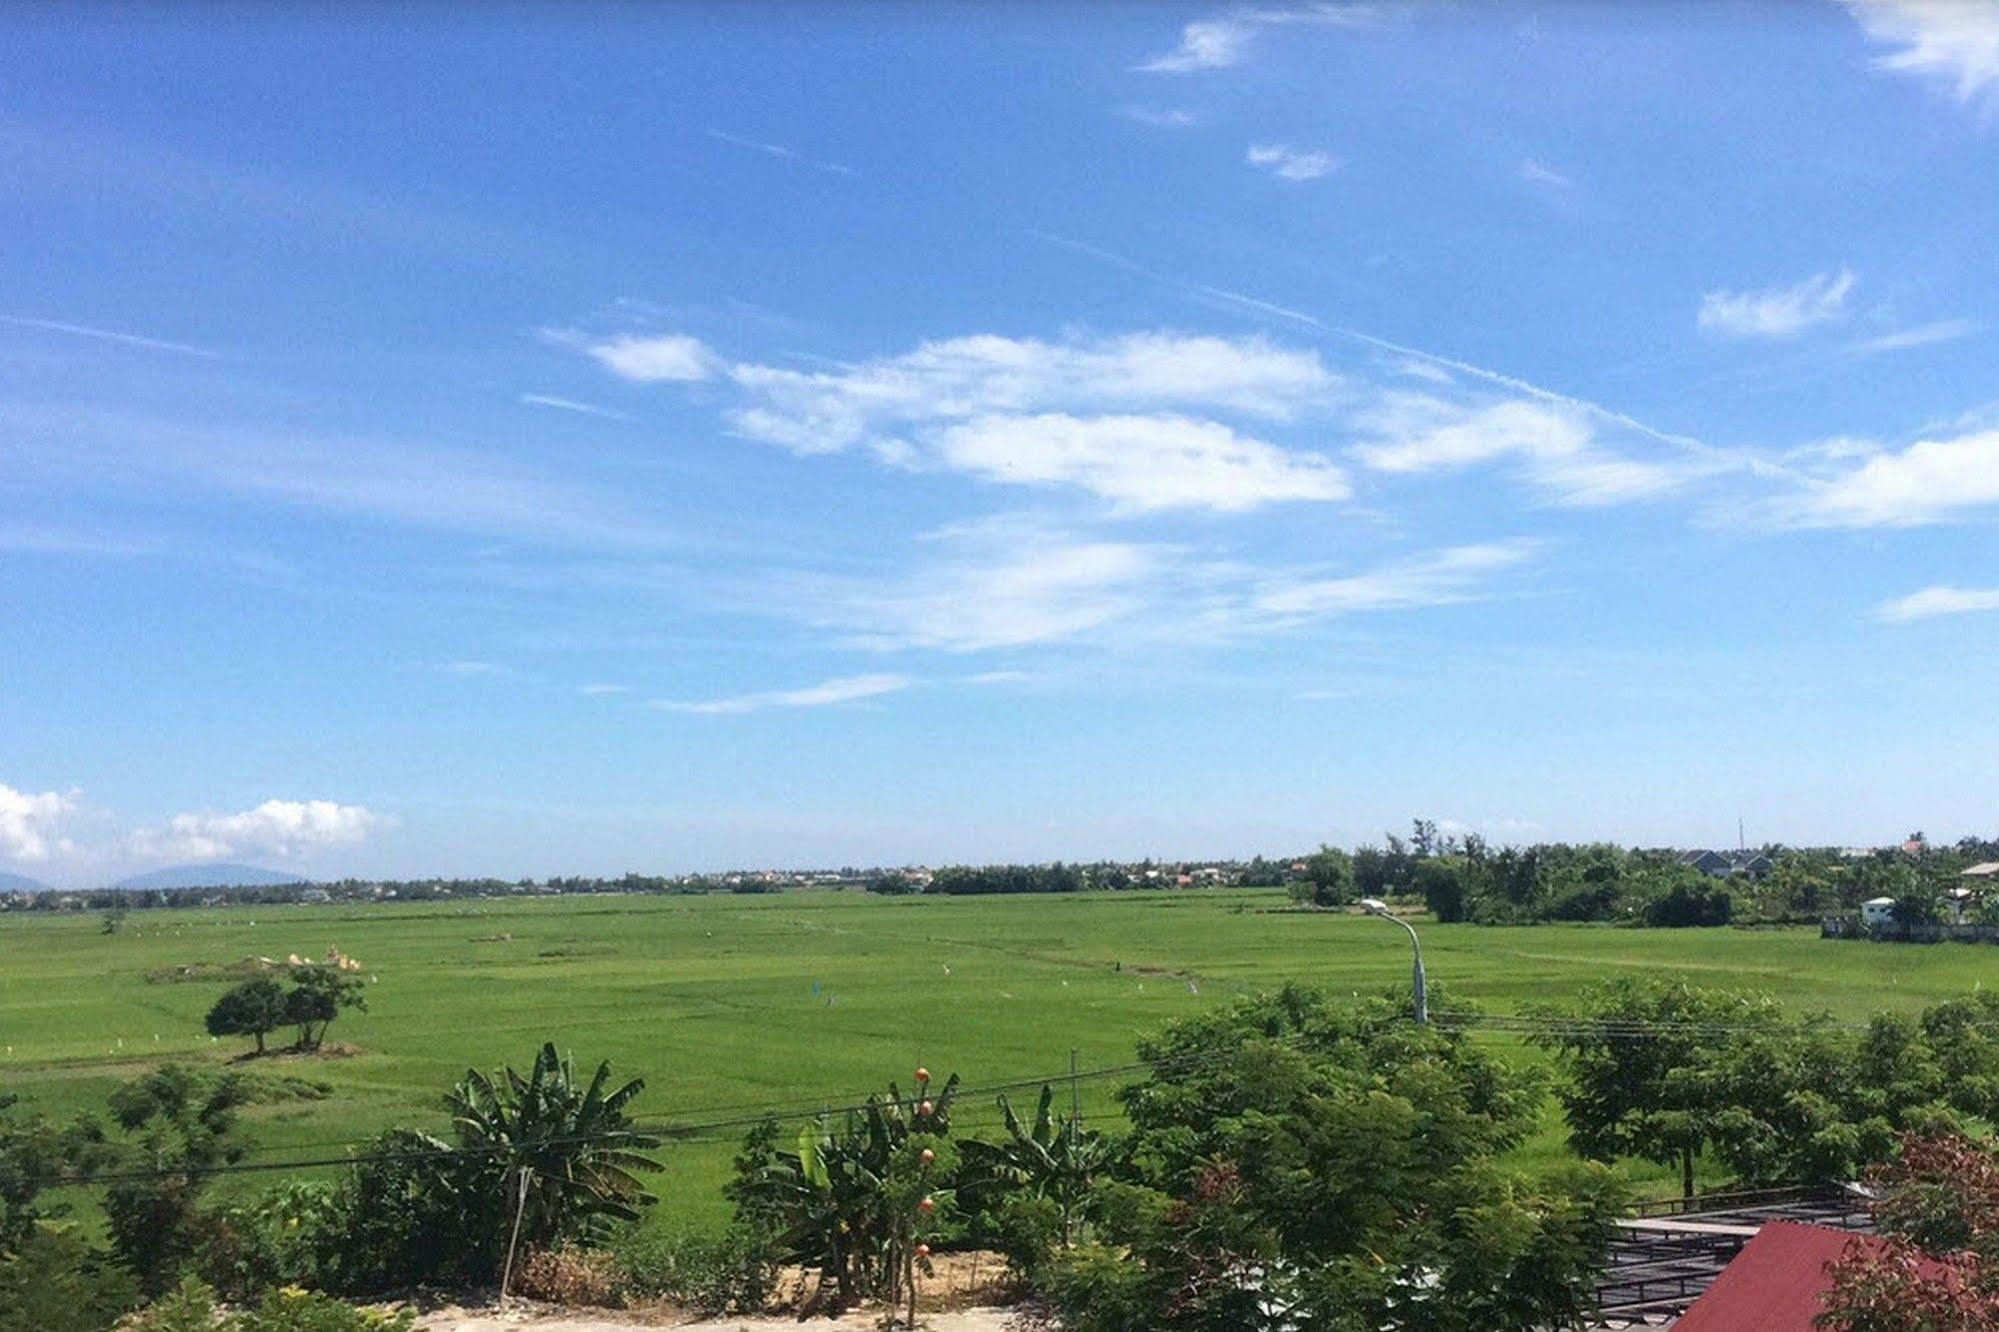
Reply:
x=540, y=1318
x=964, y=1292
x=198, y=972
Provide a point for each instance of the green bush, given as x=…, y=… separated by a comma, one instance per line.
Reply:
x=736, y=1273
x=190, y=1307
x=416, y=1215
x=53, y=1282
x=1097, y=1288
x=294, y=1235
x=1027, y=1228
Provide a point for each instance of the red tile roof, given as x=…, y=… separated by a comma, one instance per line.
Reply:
x=1775, y=1284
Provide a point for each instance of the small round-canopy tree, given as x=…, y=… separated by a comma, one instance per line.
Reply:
x=317, y=995
x=254, y=1008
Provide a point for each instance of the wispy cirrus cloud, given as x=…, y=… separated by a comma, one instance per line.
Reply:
x=1932, y=602
x=843, y=689
x=1436, y=365
x=572, y=405
x=1536, y=172
x=1951, y=43
x=778, y=150
x=1015, y=584
x=1159, y=117
x=1003, y=585
x=404, y=482
x=107, y=335
x=1777, y=312
x=1918, y=335
x=1293, y=164
x=1227, y=38
x=1555, y=448
x=1435, y=578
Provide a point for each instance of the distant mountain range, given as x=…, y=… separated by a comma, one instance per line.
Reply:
x=19, y=883
x=209, y=876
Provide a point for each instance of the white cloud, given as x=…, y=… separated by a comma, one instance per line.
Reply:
x=1921, y=335
x=981, y=374
x=652, y=359
x=1777, y=312
x=1951, y=42
x=1930, y=481
x=1555, y=445
x=28, y=823
x=1027, y=411
x=603, y=690
x=1205, y=44
x=845, y=689
x=1935, y=601
x=1225, y=40
x=1288, y=163
x=1435, y=579
x=571, y=405
x=282, y=828
x=1140, y=463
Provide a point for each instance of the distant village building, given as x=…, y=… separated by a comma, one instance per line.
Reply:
x=1877, y=911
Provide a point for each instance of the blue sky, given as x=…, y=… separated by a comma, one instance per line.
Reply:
x=535, y=440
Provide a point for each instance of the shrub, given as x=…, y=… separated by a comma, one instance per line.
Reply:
x=1097, y=1288
x=1027, y=1228
x=53, y=1282
x=737, y=1273
x=417, y=1214
x=570, y=1276
x=190, y=1307
x=294, y=1235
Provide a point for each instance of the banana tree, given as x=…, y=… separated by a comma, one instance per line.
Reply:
x=568, y=1154
x=1053, y=1158
x=850, y=1198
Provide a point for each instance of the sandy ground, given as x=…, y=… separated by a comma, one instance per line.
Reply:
x=531, y=1320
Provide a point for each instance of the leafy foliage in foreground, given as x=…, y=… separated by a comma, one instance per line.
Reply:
x=1311, y=1164
x=1938, y=1270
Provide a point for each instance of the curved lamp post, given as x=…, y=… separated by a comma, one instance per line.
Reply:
x=1374, y=906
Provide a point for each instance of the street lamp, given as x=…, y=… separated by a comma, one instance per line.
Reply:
x=1374, y=906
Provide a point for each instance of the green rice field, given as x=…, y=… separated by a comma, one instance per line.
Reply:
x=727, y=1004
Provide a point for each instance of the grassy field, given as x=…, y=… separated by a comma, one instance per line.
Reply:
x=727, y=1003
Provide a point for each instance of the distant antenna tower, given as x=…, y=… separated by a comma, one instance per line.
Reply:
x=1741, y=843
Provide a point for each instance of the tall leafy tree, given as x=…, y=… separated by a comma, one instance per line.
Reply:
x=1628, y=1054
